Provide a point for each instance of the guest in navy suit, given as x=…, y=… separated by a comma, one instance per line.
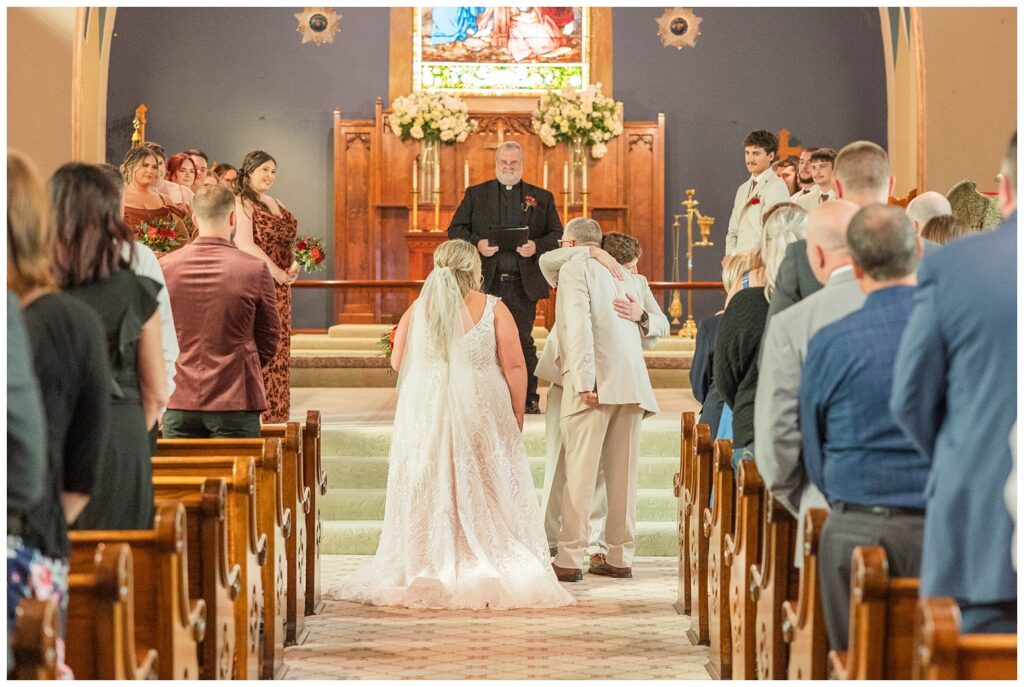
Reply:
x=855, y=454
x=955, y=397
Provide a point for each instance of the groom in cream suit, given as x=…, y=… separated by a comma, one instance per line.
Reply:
x=755, y=195
x=606, y=393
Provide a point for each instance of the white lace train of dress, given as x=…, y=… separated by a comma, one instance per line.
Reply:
x=462, y=523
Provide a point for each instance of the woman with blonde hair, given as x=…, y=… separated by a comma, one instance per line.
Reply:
x=462, y=526
x=144, y=206
x=737, y=344
x=784, y=224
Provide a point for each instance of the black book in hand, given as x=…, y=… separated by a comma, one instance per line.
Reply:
x=507, y=239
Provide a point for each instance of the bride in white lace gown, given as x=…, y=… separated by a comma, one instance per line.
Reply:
x=462, y=523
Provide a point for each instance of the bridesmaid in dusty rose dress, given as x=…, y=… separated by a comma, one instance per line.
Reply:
x=142, y=202
x=267, y=230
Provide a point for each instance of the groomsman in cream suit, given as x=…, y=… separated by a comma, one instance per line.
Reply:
x=823, y=162
x=623, y=253
x=606, y=393
x=761, y=191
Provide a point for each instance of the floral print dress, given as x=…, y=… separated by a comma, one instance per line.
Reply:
x=275, y=235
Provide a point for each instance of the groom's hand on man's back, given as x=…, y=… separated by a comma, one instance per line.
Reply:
x=589, y=398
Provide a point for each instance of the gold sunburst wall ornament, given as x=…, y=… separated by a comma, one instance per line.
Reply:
x=679, y=27
x=318, y=24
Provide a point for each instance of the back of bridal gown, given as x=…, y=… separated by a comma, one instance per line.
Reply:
x=462, y=523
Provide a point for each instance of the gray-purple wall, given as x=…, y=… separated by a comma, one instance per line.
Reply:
x=231, y=80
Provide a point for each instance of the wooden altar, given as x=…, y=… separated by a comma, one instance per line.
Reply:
x=373, y=237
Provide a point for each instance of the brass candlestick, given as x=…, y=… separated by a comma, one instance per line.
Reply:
x=689, y=328
x=437, y=210
x=415, y=208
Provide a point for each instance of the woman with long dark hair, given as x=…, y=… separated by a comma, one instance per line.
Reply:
x=90, y=264
x=267, y=230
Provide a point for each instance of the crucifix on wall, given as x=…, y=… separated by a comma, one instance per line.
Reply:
x=501, y=138
x=786, y=150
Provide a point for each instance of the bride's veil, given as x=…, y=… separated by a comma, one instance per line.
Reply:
x=439, y=320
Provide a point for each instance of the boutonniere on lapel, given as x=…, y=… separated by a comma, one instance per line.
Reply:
x=756, y=200
x=529, y=202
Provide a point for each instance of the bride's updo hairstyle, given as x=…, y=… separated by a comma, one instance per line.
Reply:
x=462, y=258
x=457, y=271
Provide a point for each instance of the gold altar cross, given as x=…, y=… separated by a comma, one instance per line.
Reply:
x=501, y=138
x=785, y=150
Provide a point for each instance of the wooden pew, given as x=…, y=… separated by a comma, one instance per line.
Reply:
x=298, y=498
x=100, y=643
x=167, y=620
x=773, y=580
x=942, y=653
x=274, y=520
x=803, y=624
x=35, y=640
x=316, y=479
x=210, y=575
x=697, y=500
x=742, y=550
x=247, y=546
x=686, y=437
x=881, y=643
x=718, y=522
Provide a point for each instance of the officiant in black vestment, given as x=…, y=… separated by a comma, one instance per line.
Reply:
x=508, y=201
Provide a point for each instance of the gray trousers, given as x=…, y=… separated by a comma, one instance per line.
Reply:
x=901, y=535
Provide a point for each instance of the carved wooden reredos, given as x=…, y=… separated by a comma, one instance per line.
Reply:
x=373, y=196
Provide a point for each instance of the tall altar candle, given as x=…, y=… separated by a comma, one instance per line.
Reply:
x=584, y=175
x=437, y=178
x=415, y=176
x=545, y=182
x=565, y=177
x=465, y=174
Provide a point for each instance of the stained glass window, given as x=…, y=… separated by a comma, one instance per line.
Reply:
x=500, y=50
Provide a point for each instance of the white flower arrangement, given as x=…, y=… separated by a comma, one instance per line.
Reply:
x=590, y=115
x=431, y=116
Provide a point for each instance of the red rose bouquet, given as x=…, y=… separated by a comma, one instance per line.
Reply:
x=159, y=235
x=309, y=253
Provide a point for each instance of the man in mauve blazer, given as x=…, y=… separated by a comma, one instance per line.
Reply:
x=227, y=325
x=954, y=394
x=513, y=277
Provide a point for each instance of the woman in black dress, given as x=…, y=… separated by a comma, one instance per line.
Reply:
x=69, y=359
x=90, y=265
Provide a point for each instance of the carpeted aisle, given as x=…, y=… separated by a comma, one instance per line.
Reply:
x=619, y=629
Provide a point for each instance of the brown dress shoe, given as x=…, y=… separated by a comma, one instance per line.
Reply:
x=599, y=566
x=567, y=574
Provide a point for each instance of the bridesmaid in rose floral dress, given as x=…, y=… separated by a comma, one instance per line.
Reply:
x=267, y=230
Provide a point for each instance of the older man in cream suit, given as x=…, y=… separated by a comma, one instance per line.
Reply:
x=622, y=254
x=606, y=393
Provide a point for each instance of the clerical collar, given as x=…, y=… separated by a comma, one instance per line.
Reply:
x=509, y=188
